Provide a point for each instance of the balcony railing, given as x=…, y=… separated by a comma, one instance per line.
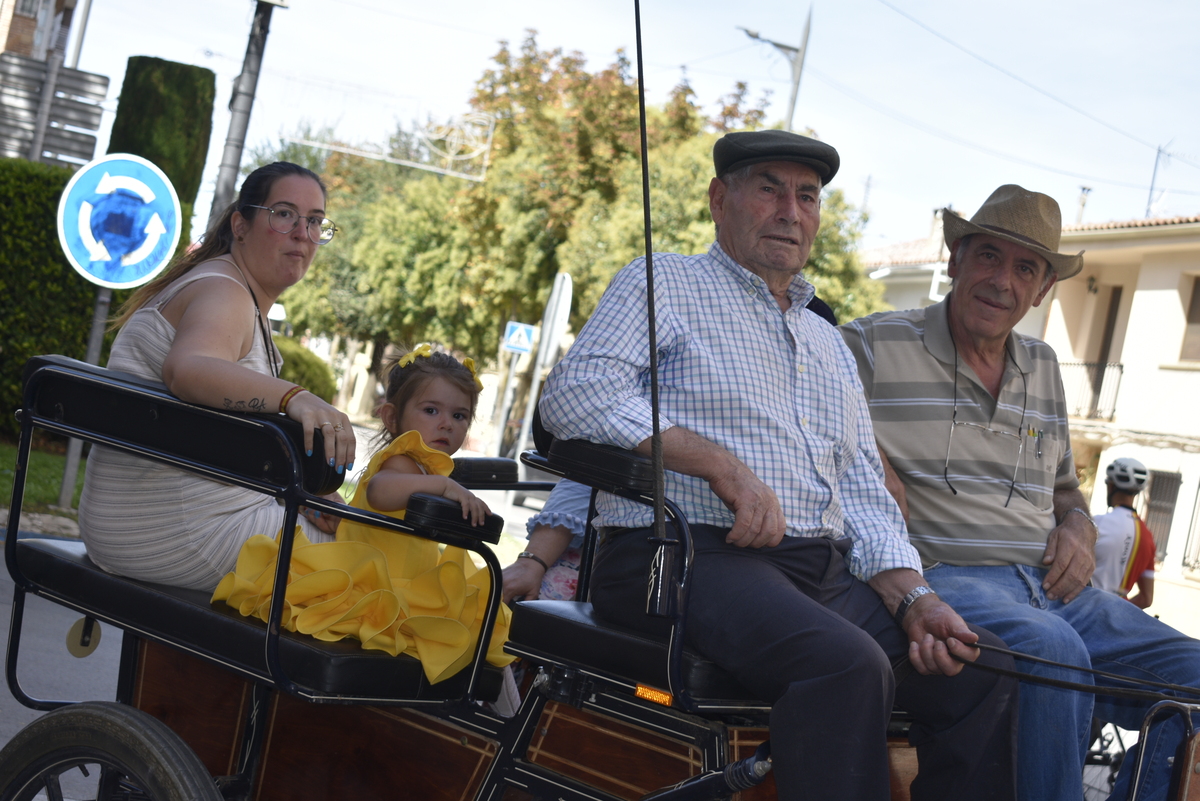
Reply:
x=1091, y=388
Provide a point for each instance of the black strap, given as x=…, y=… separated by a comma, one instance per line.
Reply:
x=1118, y=692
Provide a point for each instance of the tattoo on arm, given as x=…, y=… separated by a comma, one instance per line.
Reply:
x=252, y=405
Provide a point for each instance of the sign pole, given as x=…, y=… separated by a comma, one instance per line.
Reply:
x=554, y=325
x=510, y=390
x=518, y=339
x=240, y=106
x=118, y=224
x=66, y=495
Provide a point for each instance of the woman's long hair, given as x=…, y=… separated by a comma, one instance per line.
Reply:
x=218, y=240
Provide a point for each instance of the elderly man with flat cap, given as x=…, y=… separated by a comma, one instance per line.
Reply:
x=804, y=586
x=973, y=421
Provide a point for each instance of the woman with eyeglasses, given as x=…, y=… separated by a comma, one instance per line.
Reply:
x=201, y=329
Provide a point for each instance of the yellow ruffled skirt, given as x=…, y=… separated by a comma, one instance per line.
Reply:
x=345, y=589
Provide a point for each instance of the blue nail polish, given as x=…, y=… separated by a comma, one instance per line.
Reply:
x=350, y=466
x=308, y=452
x=340, y=468
x=316, y=513
x=331, y=461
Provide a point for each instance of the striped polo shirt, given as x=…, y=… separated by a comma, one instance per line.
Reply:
x=964, y=506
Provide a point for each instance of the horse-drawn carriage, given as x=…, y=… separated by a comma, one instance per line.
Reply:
x=214, y=705
x=211, y=704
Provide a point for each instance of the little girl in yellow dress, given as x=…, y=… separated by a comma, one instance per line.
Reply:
x=393, y=592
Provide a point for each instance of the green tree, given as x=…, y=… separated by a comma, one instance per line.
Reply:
x=608, y=236
x=333, y=298
x=413, y=266
x=427, y=257
x=833, y=266
x=165, y=115
x=285, y=148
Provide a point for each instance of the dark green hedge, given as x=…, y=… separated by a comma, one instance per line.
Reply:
x=302, y=366
x=165, y=115
x=45, y=306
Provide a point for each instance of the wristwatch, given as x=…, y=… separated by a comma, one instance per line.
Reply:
x=909, y=600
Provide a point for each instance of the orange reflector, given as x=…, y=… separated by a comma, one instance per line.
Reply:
x=651, y=694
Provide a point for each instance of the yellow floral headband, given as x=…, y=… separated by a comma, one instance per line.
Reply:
x=424, y=350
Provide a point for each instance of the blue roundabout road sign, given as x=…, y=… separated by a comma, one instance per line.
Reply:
x=119, y=221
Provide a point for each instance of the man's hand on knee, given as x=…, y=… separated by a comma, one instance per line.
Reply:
x=936, y=636
x=935, y=632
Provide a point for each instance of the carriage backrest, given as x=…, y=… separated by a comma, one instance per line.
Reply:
x=121, y=410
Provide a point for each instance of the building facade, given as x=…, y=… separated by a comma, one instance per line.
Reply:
x=35, y=27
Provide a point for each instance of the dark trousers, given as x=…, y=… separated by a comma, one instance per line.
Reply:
x=799, y=631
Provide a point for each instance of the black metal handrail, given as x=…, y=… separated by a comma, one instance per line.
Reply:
x=1092, y=388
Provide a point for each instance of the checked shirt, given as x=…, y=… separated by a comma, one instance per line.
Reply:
x=777, y=389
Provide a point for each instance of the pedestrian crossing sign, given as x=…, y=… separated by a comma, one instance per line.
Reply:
x=518, y=337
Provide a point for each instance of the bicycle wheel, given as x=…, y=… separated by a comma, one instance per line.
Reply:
x=101, y=751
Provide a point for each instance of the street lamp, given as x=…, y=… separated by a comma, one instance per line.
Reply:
x=795, y=55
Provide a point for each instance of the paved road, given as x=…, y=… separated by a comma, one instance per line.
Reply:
x=47, y=670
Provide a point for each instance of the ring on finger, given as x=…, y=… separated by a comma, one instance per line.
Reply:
x=326, y=423
x=338, y=427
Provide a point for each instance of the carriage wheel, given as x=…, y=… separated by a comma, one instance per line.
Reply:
x=102, y=751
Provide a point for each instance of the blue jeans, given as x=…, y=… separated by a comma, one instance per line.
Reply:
x=1097, y=629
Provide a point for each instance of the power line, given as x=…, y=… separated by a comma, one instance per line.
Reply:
x=1031, y=85
x=932, y=131
x=388, y=12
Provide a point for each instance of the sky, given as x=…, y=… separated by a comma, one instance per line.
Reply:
x=929, y=102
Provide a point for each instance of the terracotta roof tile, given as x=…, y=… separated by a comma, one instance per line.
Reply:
x=1152, y=222
x=917, y=251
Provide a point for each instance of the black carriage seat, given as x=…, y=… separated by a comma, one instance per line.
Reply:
x=94, y=400
x=61, y=571
x=569, y=633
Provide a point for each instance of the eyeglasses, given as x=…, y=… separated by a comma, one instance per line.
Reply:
x=283, y=220
x=954, y=423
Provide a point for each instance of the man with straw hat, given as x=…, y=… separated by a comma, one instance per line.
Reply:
x=804, y=586
x=972, y=418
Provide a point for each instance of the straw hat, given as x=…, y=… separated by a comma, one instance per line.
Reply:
x=1025, y=218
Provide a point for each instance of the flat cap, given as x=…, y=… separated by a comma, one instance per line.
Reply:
x=742, y=148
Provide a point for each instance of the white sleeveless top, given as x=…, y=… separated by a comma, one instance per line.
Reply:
x=156, y=523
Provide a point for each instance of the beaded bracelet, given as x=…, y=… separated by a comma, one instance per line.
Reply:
x=534, y=557
x=287, y=396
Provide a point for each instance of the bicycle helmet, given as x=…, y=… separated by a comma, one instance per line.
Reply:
x=1128, y=475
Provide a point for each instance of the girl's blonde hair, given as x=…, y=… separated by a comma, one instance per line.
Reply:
x=218, y=240
x=406, y=375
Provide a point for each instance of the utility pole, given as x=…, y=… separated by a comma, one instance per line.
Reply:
x=795, y=56
x=240, y=105
x=1153, y=178
x=1084, y=191
x=84, y=11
